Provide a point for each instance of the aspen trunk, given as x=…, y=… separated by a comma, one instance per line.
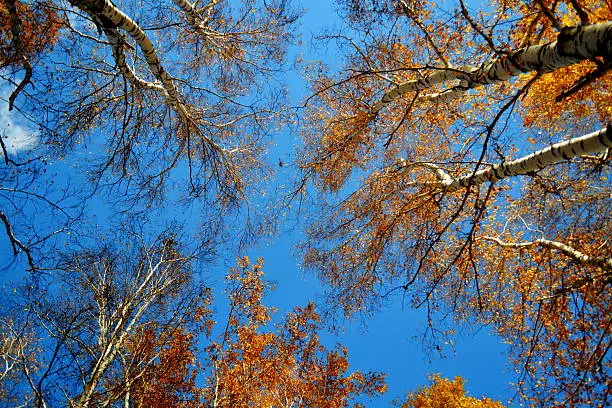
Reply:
x=592, y=143
x=573, y=45
x=106, y=11
x=578, y=256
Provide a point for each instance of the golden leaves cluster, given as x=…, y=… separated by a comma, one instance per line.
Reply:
x=40, y=26
x=444, y=393
x=253, y=366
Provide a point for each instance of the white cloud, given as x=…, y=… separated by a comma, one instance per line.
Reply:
x=16, y=135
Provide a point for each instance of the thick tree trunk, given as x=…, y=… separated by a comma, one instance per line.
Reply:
x=572, y=45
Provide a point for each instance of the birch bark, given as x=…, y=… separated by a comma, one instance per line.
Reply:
x=581, y=257
x=194, y=17
x=105, y=12
x=594, y=142
x=572, y=45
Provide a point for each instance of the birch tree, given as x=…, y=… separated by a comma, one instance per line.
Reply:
x=28, y=192
x=462, y=159
x=18, y=353
x=26, y=33
x=95, y=316
x=129, y=326
x=148, y=102
x=156, y=89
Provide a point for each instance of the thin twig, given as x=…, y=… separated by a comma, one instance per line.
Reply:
x=17, y=47
x=15, y=243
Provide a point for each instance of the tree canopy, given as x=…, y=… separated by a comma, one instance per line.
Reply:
x=130, y=325
x=461, y=156
x=452, y=156
x=444, y=393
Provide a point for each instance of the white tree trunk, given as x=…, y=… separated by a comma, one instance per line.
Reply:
x=592, y=143
x=117, y=42
x=595, y=142
x=572, y=45
x=578, y=256
x=155, y=282
x=194, y=17
x=105, y=10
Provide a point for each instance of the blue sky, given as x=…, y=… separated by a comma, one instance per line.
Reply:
x=387, y=340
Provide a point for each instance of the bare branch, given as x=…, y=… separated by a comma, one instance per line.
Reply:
x=16, y=243
x=11, y=6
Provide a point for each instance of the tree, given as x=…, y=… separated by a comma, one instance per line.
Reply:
x=468, y=197
x=288, y=367
x=159, y=113
x=29, y=193
x=132, y=93
x=99, y=78
x=97, y=315
x=130, y=325
x=18, y=352
x=444, y=393
x=25, y=33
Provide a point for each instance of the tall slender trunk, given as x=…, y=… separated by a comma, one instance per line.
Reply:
x=594, y=142
x=573, y=44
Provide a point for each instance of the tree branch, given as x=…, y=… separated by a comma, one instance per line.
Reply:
x=584, y=17
x=15, y=243
x=118, y=43
x=599, y=141
x=476, y=27
x=411, y=14
x=600, y=261
x=585, y=80
x=110, y=17
x=194, y=17
x=11, y=6
x=572, y=45
x=549, y=15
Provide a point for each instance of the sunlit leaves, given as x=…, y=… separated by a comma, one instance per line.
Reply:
x=528, y=254
x=253, y=366
x=37, y=34
x=444, y=393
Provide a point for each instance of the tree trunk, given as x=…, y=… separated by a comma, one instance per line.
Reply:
x=107, y=12
x=573, y=44
x=594, y=142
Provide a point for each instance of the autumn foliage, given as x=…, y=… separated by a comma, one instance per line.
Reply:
x=168, y=379
x=431, y=95
x=37, y=28
x=444, y=393
x=133, y=327
x=448, y=161
x=252, y=366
